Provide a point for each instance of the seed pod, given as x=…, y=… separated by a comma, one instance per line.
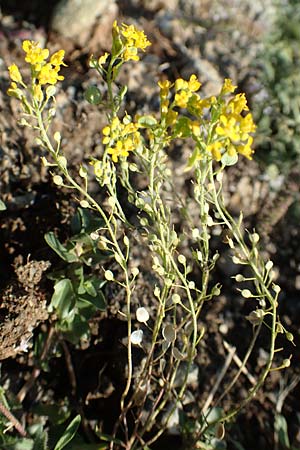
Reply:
x=169, y=333
x=93, y=95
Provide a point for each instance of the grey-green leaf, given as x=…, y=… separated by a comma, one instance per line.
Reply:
x=228, y=160
x=63, y=298
x=147, y=121
x=56, y=245
x=69, y=433
x=281, y=430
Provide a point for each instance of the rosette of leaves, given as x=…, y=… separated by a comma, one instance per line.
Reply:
x=278, y=113
x=77, y=290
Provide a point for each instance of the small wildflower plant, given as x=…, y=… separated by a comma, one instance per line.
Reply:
x=171, y=329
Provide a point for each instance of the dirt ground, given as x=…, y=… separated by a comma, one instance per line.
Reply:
x=35, y=206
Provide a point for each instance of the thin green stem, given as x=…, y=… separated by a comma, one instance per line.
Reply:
x=231, y=224
x=113, y=238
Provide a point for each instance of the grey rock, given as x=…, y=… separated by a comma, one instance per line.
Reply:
x=73, y=17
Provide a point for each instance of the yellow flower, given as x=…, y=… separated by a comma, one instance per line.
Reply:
x=117, y=151
x=14, y=91
x=238, y=104
x=130, y=53
x=122, y=137
x=196, y=105
x=165, y=86
x=49, y=75
x=13, y=86
x=228, y=87
x=129, y=128
x=195, y=127
x=215, y=149
x=102, y=60
x=57, y=59
x=247, y=124
x=134, y=37
x=34, y=54
x=130, y=39
x=181, y=98
x=115, y=123
x=246, y=149
x=14, y=73
x=228, y=128
x=38, y=93
x=180, y=84
x=111, y=131
x=185, y=96
x=106, y=134
x=115, y=28
x=193, y=83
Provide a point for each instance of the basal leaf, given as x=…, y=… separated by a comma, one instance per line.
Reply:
x=69, y=433
x=56, y=245
x=63, y=298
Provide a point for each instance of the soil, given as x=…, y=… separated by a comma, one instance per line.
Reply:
x=92, y=375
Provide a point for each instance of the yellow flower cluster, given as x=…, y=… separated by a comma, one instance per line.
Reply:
x=233, y=129
x=185, y=89
x=45, y=72
x=132, y=40
x=232, y=122
x=35, y=55
x=121, y=137
x=42, y=72
x=186, y=96
x=166, y=112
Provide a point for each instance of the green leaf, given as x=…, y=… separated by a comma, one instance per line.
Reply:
x=182, y=127
x=24, y=444
x=2, y=206
x=215, y=414
x=84, y=221
x=147, y=121
x=93, y=95
x=193, y=157
x=63, y=298
x=68, y=434
x=92, y=293
x=77, y=328
x=90, y=288
x=281, y=430
x=56, y=245
x=98, y=301
x=108, y=438
x=76, y=273
x=228, y=160
x=40, y=440
x=122, y=93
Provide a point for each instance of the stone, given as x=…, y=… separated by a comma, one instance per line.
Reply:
x=73, y=18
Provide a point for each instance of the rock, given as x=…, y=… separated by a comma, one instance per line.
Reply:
x=75, y=18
